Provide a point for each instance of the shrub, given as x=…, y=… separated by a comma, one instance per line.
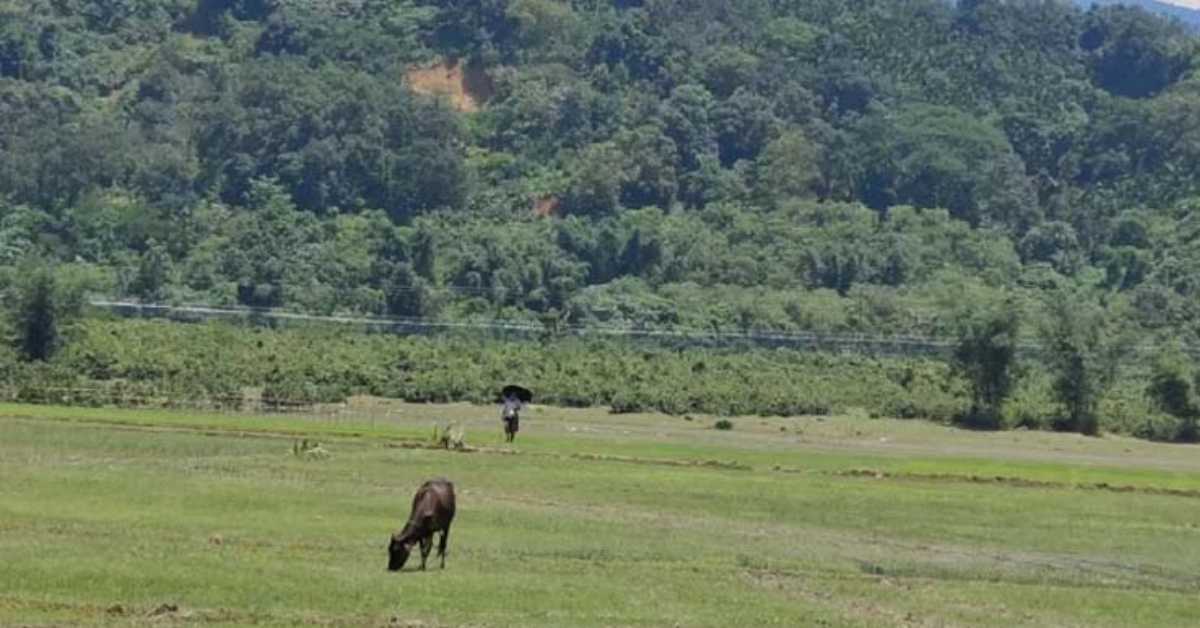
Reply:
x=1156, y=426
x=986, y=356
x=1026, y=413
x=1083, y=348
x=157, y=362
x=1171, y=385
x=1187, y=431
x=626, y=403
x=723, y=424
x=452, y=436
x=309, y=450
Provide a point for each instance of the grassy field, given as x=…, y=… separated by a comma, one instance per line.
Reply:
x=143, y=517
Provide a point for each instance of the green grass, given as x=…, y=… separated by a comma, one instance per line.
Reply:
x=590, y=520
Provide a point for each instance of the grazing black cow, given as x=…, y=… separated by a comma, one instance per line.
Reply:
x=432, y=511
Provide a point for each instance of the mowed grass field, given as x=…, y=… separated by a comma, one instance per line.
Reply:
x=122, y=517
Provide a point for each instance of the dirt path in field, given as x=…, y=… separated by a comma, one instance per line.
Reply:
x=843, y=434
x=603, y=434
x=170, y=613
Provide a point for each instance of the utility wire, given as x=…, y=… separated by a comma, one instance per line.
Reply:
x=909, y=342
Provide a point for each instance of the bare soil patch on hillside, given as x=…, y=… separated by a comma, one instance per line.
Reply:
x=467, y=87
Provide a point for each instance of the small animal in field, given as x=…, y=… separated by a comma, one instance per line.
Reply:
x=432, y=511
x=514, y=399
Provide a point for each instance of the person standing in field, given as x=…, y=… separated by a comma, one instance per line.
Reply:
x=513, y=399
x=511, y=416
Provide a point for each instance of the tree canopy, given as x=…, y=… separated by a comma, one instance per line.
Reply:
x=820, y=165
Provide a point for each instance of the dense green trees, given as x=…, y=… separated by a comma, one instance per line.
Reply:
x=1173, y=387
x=1133, y=53
x=986, y=354
x=336, y=139
x=1084, y=350
x=823, y=165
x=941, y=157
x=41, y=301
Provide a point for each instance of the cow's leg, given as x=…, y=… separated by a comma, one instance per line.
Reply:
x=442, y=545
x=426, y=545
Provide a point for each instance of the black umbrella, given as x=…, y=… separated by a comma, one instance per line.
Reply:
x=513, y=391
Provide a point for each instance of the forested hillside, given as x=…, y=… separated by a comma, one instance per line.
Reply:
x=1185, y=11
x=823, y=165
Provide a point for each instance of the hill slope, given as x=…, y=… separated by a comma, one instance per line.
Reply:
x=828, y=166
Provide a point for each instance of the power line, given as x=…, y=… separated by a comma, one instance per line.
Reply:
x=903, y=343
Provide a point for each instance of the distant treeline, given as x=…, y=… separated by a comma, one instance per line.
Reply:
x=160, y=363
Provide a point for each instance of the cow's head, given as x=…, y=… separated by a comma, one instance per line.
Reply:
x=397, y=553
